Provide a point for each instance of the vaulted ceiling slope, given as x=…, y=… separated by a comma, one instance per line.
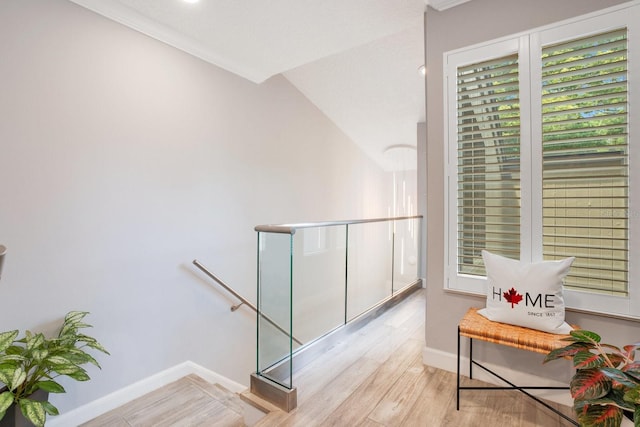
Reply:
x=357, y=60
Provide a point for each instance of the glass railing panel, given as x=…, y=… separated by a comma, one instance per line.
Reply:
x=274, y=307
x=319, y=275
x=315, y=277
x=405, y=252
x=369, y=265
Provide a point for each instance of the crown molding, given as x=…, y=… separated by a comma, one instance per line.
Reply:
x=441, y=5
x=132, y=19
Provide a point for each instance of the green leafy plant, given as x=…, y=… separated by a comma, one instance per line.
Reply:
x=606, y=383
x=33, y=362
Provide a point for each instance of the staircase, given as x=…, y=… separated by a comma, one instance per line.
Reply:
x=190, y=401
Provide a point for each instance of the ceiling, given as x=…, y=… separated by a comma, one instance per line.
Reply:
x=356, y=60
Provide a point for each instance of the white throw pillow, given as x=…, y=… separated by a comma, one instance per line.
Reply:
x=524, y=294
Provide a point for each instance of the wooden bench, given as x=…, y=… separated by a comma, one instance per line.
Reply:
x=476, y=326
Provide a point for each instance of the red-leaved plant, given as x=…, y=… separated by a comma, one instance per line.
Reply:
x=607, y=379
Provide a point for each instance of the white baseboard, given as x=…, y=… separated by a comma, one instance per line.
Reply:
x=118, y=398
x=448, y=362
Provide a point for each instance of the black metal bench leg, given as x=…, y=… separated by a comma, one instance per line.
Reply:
x=458, y=376
x=470, y=358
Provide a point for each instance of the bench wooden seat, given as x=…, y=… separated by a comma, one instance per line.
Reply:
x=475, y=326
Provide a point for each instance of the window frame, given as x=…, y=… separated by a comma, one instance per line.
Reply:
x=528, y=46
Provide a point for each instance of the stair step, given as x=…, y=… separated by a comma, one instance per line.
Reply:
x=258, y=402
x=189, y=402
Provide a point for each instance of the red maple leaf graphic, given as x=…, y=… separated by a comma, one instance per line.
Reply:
x=512, y=296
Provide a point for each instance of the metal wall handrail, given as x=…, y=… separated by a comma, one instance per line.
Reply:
x=242, y=299
x=291, y=228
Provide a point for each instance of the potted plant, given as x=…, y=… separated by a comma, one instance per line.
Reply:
x=606, y=384
x=32, y=363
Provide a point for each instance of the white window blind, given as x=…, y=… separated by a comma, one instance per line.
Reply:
x=585, y=160
x=541, y=162
x=488, y=177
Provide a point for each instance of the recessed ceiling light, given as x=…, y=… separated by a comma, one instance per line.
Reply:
x=191, y=1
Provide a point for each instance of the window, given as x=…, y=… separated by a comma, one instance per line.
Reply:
x=585, y=169
x=488, y=159
x=540, y=159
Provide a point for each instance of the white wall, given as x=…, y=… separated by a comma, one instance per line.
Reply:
x=123, y=159
x=468, y=24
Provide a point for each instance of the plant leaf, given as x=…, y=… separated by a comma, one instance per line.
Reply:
x=620, y=377
x=79, y=375
x=35, y=341
x=39, y=354
x=6, y=339
x=6, y=372
x=66, y=369
x=600, y=416
x=50, y=386
x=589, y=384
x=74, y=316
x=615, y=398
x=633, y=396
x=632, y=369
x=82, y=325
x=11, y=360
x=72, y=323
x=15, y=349
x=567, y=351
x=92, y=342
x=15, y=378
x=58, y=360
x=50, y=409
x=587, y=360
x=79, y=357
x=99, y=347
x=6, y=399
x=85, y=338
x=616, y=359
x=612, y=347
x=630, y=350
x=33, y=411
x=585, y=336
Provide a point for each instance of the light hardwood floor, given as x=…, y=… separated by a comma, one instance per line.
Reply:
x=376, y=378
x=188, y=402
